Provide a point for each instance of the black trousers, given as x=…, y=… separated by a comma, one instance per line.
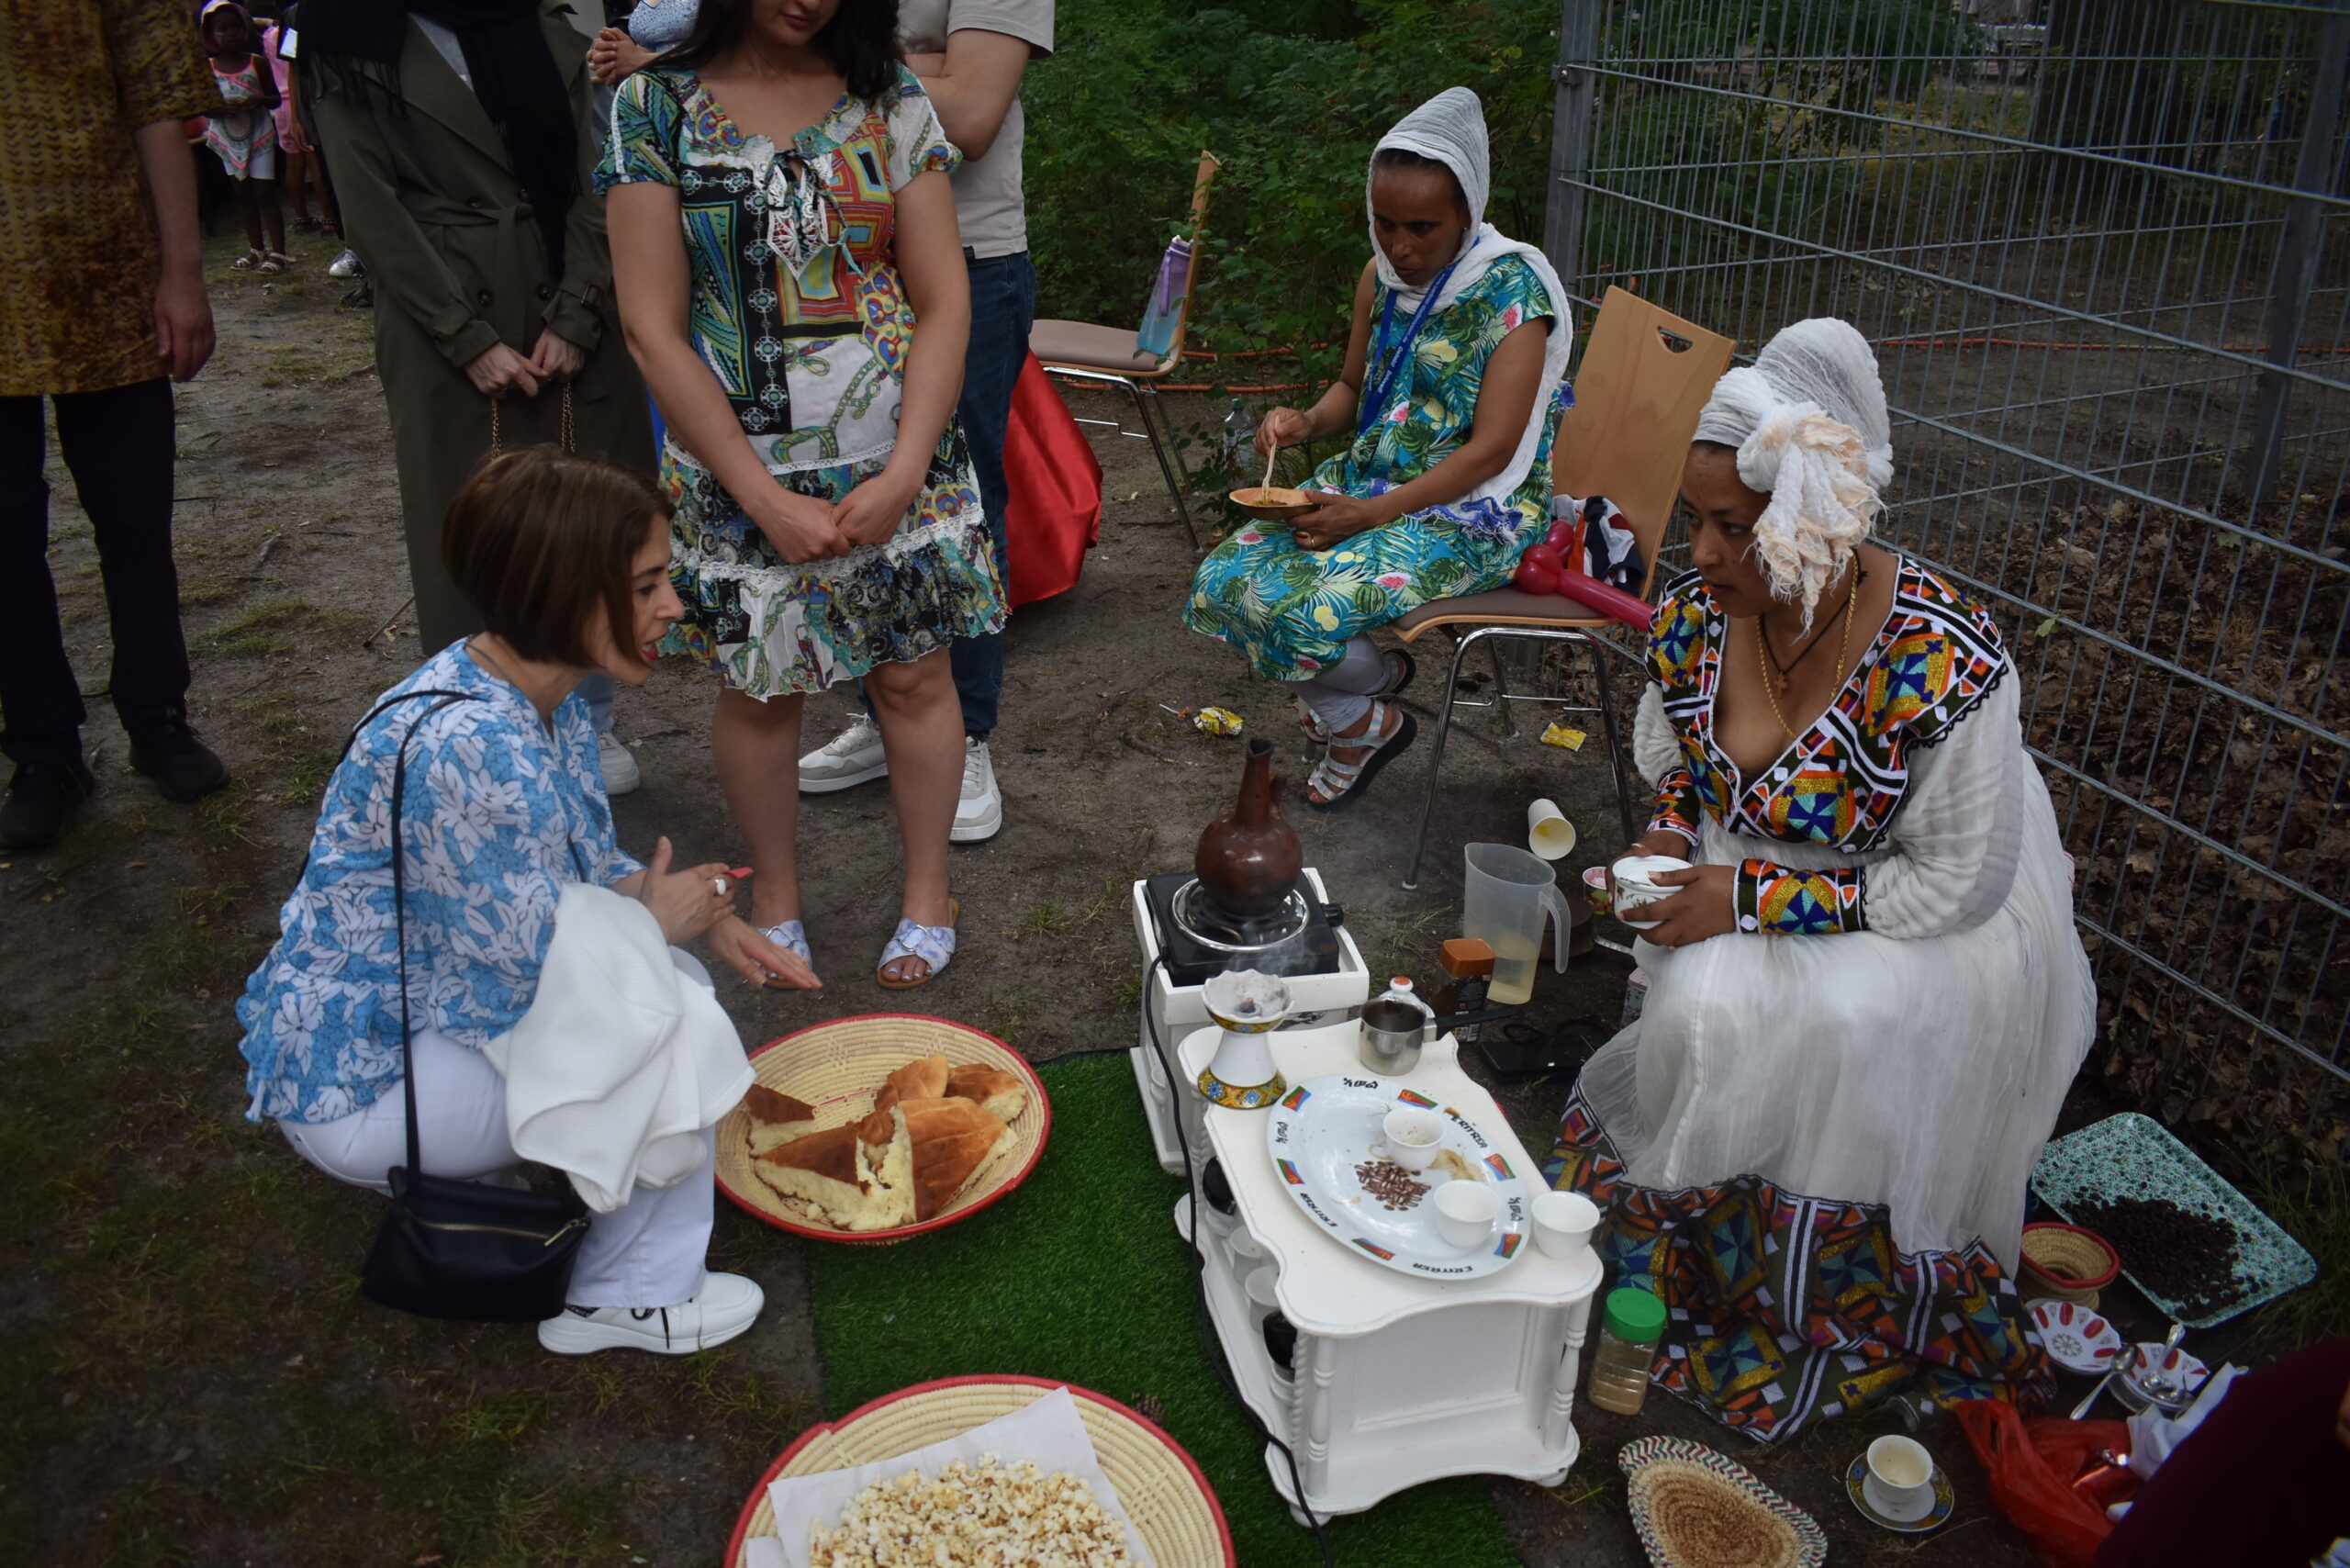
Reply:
x=118, y=446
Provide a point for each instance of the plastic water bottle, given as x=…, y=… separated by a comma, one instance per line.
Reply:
x=1239, y=437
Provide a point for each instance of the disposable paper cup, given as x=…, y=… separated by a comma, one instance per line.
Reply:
x=1635, y=887
x=1595, y=889
x=1400, y=1126
x=1548, y=831
x=1465, y=1210
x=1563, y=1223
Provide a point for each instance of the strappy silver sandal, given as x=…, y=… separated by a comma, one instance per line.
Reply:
x=1401, y=668
x=1341, y=783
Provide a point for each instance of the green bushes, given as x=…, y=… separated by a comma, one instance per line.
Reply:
x=1138, y=87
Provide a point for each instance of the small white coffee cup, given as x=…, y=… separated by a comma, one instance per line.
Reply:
x=1563, y=1223
x=1900, y=1482
x=1259, y=1284
x=1636, y=885
x=1464, y=1213
x=1412, y=1137
x=1548, y=831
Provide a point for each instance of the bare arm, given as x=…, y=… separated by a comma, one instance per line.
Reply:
x=973, y=85
x=183, y=313
x=655, y=287
x=929, y=247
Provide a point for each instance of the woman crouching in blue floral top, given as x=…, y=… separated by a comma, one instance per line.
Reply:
x=566, y=560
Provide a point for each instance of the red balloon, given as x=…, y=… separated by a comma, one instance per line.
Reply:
x=1542, y=555
x=1533, y=576
x=1562, y=536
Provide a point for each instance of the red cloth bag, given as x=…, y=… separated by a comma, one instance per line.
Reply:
x=1054, y=484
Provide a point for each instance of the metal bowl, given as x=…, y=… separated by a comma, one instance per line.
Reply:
x=2161, y=1376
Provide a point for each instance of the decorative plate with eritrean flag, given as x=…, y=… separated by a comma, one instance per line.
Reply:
x=1323, y=1133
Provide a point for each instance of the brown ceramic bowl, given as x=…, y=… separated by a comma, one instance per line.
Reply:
x=1270, y=503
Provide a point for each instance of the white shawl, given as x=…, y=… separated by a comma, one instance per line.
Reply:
x=1450, y=129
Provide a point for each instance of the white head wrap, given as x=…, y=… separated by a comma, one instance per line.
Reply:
x=1809, y=420
x=1450, y=129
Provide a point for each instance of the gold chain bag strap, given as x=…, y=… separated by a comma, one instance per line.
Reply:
x=570, y=436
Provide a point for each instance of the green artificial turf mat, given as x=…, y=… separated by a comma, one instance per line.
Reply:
x=1081, y=1276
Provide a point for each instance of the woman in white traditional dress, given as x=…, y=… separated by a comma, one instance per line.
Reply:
x=1867, y=998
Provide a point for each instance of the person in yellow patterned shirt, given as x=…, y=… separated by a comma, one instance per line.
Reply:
x=101, y=300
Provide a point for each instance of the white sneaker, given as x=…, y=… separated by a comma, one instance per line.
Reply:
x=621, y=774
x=345, y=266
x=852, y=757
x=979, y=815
x=724, y=1307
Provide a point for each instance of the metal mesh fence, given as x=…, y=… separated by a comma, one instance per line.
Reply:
x=2105, y=258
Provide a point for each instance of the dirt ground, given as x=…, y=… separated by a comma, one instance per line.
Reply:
x=193, y=1376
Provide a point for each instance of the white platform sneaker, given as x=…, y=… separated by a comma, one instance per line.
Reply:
x=621, y=774
x=725, y=1307
x=979, y=813
x=852, y=757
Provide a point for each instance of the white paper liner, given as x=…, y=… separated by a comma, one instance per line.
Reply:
x=1049, y=1430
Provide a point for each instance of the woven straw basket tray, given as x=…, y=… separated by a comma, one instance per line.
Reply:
x=1692, y=1507
x=836, y=1068
x=1172, y=1506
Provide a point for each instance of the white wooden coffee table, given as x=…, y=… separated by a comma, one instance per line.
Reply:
x=1396, y=1379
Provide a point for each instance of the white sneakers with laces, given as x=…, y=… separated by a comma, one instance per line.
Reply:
x=852, y=757
x=979, y=815
x=621, y=774
x=724, y=1307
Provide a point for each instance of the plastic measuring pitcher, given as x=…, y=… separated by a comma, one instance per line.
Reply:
x=1506, y=895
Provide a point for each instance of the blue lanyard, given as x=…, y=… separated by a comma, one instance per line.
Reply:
x=1374, y=403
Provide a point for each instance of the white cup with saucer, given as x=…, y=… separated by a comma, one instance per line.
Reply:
x=1900, y=1482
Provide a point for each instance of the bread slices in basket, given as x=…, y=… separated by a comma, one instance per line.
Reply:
x=933, y=1130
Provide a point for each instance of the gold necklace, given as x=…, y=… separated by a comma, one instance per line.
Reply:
x=1843, y=647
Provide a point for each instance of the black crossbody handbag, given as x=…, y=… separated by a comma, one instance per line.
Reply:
x=450, y=1248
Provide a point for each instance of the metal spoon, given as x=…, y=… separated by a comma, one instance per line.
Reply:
x=2177, y=1332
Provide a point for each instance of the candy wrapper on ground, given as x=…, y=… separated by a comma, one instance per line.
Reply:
x=1217, y=720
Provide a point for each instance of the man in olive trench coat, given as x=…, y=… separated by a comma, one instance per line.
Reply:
x=432, y=203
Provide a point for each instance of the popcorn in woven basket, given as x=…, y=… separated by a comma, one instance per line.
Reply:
x=982, y=1516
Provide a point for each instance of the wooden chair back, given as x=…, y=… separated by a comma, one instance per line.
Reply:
x=1644, y=377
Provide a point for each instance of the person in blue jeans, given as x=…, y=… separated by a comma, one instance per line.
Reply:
x=970, y=55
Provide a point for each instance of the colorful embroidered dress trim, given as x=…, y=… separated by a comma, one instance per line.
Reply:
x=1784, y=1309
x=1840, y=783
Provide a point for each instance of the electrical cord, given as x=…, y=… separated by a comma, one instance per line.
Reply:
x=1200, y=1266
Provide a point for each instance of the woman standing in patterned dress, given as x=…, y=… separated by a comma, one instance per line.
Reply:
x=780, y=219
x=1867, y=999
x=1452, y=373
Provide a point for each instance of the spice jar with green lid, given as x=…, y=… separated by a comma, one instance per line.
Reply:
x=1632, y=1323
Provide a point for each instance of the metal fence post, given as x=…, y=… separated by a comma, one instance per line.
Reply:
x=2300, y=245
x=1571, y=135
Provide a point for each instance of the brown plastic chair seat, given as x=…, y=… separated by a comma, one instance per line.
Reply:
x=1088, y=347
x=1501, y=607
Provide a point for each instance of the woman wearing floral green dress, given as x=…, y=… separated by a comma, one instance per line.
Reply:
x=1450, y=386
x=780, y=222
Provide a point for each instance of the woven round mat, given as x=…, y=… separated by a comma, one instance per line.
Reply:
x=837, y=1068
x=1696, y=1508
x=1160, y=1487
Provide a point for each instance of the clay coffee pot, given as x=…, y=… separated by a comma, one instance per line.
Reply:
x=1249, y=859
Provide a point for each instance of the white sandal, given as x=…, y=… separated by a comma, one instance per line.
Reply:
x=933, y=944
x=1342, y=783
x=793, y=937
x=1401, y=668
